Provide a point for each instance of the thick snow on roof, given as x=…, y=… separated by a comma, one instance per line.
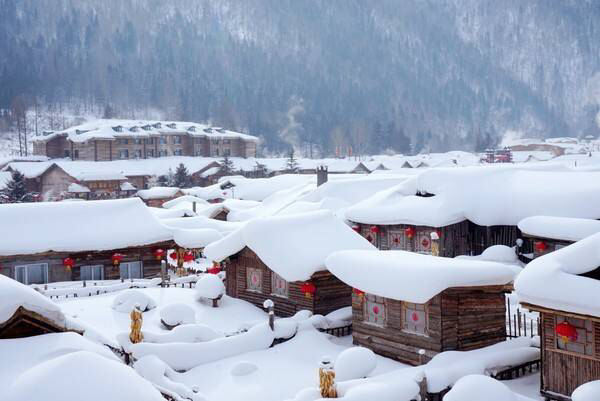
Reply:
x=127, y=186
x=157, y=192
x=412, y=277
x=561, y=228
x=15, y=295
x=490, y=195
x=200, y=222
x=553, y=280
x=77, y=188
x=196, y=237
x=29, y=228
x=186, y=199
x=293, y=246
x=479, y=387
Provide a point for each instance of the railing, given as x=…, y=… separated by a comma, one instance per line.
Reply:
x=519, y=323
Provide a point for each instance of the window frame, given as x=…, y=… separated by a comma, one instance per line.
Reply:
x=248, y=280
x=369, y=303
x=92, y=270
x=406, y=307
x=274, y=279
x=588, y=344
x=46, y=272
x=128, y=264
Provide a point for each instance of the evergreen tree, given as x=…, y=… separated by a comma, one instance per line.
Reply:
x=15, y=188
x=162, y=181
x=226, y=165
x=181, y=179
x=292, y=163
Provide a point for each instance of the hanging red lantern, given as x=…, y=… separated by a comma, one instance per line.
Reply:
x=540, y=246
x=374, y=229
x=159, y=254
x=409, y=232
x=439, y=233
x=173, y=255
x=566, y=331
x=360, y=294
x=116, y=258
x=309, y=289
x=216, y=268
x=68, y=263
x=356, y=228
x=188, y=256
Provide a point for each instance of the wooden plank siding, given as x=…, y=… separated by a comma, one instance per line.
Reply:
x=331, y=293
x=458, y=319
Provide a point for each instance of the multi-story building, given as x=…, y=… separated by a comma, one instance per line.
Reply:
x=103, y=140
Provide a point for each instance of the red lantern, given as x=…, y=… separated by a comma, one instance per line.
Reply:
x=216, y=268
x=540, y=246
x=566, y=331
x=188, y=256
x=356, y=228
x=173, y=255
x=360, y=294
x=308, y=289
x=374, y=229
x=68, y=263
x=409, y=232
x=116, y=258
x=159, y=254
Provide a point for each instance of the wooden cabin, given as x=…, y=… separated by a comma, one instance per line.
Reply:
x=410, y=307
x=95, y=240
x=564, y=288
x=157, y=196
x=282, y=258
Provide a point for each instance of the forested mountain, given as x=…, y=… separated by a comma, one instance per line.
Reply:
x=406, y=75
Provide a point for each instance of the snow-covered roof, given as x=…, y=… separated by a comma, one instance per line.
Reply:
x=15, y=295
x=199, y=222
x=127, y=186
x=158, y=192
x=96, y=175
x=184, y=198
x=29, y=228
x=194, y=238
x=413, y=277
x=554, y=280
x=490, y=195
x=77, y=188
x=561, y=228
x=294, y=246
x=107, y=129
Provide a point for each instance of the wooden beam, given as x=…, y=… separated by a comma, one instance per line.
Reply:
x=559, y=312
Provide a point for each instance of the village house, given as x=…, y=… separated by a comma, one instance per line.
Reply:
x=563, y=287
x=410, y=307
x=92, y=240
x=547, y=234
x=157, y=196
x=104, y=140
x=283, y=259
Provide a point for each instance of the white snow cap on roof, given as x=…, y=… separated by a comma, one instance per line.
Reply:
x=184, y=199
x=561, y=228
x=196, y=238
x=479, y=387
x=29, y=228
x=553, y=280
x=77, y=188
x=490, y=195
x=197, y=222
x=293, y=246
x=15, y=295
x=412, y=277
x=157, y=192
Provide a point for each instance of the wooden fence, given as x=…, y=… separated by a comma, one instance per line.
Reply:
x=519, y=323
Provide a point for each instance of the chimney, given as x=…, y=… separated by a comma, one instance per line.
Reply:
x=321, y=175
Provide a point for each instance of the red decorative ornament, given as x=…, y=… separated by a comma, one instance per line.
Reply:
x=358, y=293
x=425, y=242
x=173, y=255
x=396, y=240
x=356, y=228
x=409, y=232
x=540, y=246
x=159, y=254
x=415, y=317
x=68, y=263
x=376, y=310
x=369, y=238
x=309, y=289
x=566, y=331
x=374, y=229
x=116, y=258
x=188, y=256
x=439, y=233
x=216, y=268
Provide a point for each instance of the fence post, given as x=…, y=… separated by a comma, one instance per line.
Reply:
x=270, y=306
x=509, y=319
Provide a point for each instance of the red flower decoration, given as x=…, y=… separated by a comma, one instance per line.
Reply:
x=415, y=317
x=376, y=310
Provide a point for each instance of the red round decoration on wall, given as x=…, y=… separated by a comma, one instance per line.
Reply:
x=415, y=317
x=376, y=310
x=396, y=240
x=425, y=242
x=173, y=255
x=369, y=238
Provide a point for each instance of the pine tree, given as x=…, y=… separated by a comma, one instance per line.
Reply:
x=292, y=163
x=162, y=181
x=181, y=179
x=15, y=188
x=226, y=165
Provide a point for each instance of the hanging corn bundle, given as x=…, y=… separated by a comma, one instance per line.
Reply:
x=136, y=325
x=327, y=378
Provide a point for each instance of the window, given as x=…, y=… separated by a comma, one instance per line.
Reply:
x=369, y=236
x=215, y=141
x=123, y=154
x=253, y=279
x=423, y=242
x=94, y=272
x=162, y=140
x=149, y=141
x=130, y=270
x=374, y=311
x=76, y=154
x=414, y=318
x=226, y=141
x=279, y=286
x=177, y=152
x=122, y=141
x=216, y=152
x=226, y=152
x=150, y=153
x=137, y=153
x=35, y=273
x=584, y=343
x=67, y=153
x=137, y=141
x=176, y=139
x=162, y=153
x=398, y=240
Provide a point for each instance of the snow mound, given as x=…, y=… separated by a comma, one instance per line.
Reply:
x=354, y=363
x=499, y=253
x=176, y=314
x=129, y=299
x=562, y=228
x=209, y=286
x=587, y=392
x=185, y=333
x=243, y=368
x=81, y=375
x=480, y=387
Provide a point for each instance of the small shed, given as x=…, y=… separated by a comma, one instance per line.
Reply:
x=157, y=196
x=283, y=258
x=404, y=302
x=564, y=287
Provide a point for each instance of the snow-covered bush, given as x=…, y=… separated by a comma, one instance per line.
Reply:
x=185, y=333
x=480, y=387
x=209, y=286
x=175, y=314
x=354, y=363
x=587, y=392
x=129, y=299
